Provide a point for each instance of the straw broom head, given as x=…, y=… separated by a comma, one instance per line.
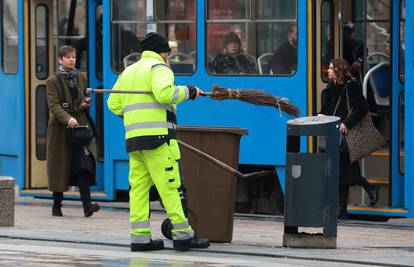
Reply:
x=255, y=97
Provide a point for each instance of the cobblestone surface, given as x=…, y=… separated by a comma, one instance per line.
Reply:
x=33, y=220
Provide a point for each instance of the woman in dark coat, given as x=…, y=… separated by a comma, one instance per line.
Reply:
x=334, y=102
x=67, y=164
x=233, y=61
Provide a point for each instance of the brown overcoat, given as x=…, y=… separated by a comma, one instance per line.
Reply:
x=59, y=151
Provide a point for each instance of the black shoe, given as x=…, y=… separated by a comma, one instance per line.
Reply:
x=90, y=209
x=193, y=242
x=373, y=195
x=156, y=244
x=57, y=211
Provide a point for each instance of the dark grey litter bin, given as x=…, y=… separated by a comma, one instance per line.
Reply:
x=311, y=183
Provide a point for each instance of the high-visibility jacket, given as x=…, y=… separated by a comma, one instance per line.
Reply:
x=149, y=119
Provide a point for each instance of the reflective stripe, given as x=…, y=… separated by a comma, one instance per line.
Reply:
x=139, y=225
x=186, y=93
x=176, y=94
x=180, y=226
x=148, y=106
x=159, y=65
x=183, y=235
x=149, y=125
x=143, y=239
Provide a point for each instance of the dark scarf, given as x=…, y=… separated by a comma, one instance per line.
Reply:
x=71, y=78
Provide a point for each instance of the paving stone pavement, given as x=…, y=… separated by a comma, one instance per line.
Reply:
x=33, y=220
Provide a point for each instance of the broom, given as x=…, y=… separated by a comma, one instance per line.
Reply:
x=255, y=97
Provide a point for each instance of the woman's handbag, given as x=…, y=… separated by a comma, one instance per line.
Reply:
x=363, y=138
x=79, y=135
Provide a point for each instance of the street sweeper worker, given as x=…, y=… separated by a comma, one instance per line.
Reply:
x=150, y=122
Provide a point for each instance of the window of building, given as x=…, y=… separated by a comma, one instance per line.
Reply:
x=10, y=37
x=174, y=19
x=247, y=37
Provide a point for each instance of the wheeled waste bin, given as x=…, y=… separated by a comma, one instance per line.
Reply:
x=210, y=189
x=311, y=183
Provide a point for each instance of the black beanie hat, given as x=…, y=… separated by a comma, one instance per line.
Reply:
x=155, y=42
x=232, y=37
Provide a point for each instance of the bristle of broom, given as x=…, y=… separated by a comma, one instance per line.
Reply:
x=256, y=97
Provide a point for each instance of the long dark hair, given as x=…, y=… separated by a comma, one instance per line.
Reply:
x=342, y=70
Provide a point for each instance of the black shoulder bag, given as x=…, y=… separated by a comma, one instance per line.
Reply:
x=78, y=135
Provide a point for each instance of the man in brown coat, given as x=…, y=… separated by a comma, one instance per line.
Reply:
x=69, y=164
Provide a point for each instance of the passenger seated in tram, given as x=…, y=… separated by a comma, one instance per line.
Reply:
x=285, y=58
x=232, y=60
x=353, y=49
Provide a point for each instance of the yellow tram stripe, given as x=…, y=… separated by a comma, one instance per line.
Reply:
x=378, y=209
x=310, y=69
x=26, y=89
x=46, y=192
x=378, y=181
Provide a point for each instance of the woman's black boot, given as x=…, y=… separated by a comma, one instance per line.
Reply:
x=343, y=202
x=57, y=204
x=85, y=193
x=89, y=208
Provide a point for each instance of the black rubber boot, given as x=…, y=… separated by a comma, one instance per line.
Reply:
x=194, y=242
x=156, y=244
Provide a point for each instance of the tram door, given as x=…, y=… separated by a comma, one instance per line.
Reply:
x=52, y=24
x=42, y=62
x=379, y=26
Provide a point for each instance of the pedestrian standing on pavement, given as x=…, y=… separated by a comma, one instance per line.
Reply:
x=343, y=85
x=150, y=122
x=69, y=164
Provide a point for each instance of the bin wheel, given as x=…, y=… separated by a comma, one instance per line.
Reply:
x=166, y=228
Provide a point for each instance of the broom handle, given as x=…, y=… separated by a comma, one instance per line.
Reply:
x=109, y=91
x=210, y=158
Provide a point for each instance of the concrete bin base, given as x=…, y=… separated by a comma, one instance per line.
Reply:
x=6, y=201
x=305, y=240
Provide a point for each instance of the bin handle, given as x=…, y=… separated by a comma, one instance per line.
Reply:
x=223, y=165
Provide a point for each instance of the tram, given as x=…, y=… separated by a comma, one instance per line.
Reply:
x=107, y=34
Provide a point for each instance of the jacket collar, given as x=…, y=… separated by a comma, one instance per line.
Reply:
x=151, y=54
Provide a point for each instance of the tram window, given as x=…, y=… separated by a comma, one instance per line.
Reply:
x=401, y=129
x=374, y=28
x=42, y=117
x=327, y=46
x=98, y=43
x=402, y=42
x=42, y=40
x=72, y=29
x=175, y=19
x=246, y=37
x=10, y=38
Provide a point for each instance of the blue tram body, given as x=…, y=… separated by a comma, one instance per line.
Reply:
x=28, y=46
